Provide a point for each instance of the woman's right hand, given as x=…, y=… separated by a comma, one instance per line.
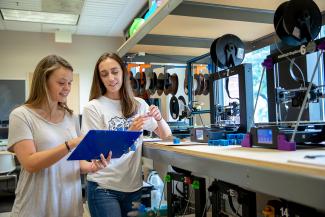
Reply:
x=100, y=164
x=138, y=122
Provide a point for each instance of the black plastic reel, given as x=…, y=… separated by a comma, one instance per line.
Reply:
x=160, y=84
x=141, y=78
x=183, y=108
x=177, y=107
x=174, y=107
x=134, y=85
x=171, y=83
x=167, y=83
x=297, y=21
x=227, y=51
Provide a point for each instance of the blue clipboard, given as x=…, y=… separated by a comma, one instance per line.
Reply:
x=103, y=141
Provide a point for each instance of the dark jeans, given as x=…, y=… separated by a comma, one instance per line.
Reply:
x=109, y=203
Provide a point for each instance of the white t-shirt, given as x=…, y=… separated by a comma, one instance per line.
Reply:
x=124, y=173
x=54, y=191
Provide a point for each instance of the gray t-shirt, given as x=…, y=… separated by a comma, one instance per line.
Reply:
x=54, y=191
x=124, y=173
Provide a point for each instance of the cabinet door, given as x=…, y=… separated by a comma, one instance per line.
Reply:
x=73, y=100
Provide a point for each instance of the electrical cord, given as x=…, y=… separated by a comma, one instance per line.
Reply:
x=202, y=121
x=188, y=202
x=179, y=191
x=257, y=96
x=286, y=107
x=227, y=89
x=240, y=206
x=231, y=204
x=161, y=198
x=205, y=207
x=305, y=98
x=291, y=61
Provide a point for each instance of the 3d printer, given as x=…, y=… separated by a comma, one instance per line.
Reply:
x=231, y=92
x=294, y=91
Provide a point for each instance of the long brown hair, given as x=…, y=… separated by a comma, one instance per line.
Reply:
x=42, y=72
x=128, y=104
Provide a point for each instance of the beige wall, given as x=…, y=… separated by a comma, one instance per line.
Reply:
x=21, y=51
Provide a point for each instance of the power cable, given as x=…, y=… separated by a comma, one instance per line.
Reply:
x=305, y=98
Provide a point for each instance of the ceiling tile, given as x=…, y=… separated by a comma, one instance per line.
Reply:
x=126, y=16
x=97, y=17
x=91, y=20
x=89, y=31
x=111, y=2
x=101, y=13
x=63, y=6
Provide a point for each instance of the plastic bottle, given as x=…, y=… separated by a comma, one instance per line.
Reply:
x=157, y=194
x=151, y=10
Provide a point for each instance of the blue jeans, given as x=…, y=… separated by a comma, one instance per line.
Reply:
x=109, y=203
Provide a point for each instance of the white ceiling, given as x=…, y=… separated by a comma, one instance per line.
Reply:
x=97, y=17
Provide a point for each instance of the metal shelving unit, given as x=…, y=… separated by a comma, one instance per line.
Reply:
x=184, y=30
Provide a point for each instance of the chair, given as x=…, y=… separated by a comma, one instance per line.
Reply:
x=7, y=166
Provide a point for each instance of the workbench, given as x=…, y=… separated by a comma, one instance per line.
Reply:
x=267, y=171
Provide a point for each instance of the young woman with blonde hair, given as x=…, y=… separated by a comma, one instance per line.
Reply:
x=41, y=133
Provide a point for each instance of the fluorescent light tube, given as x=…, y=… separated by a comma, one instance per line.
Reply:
x=39, y=17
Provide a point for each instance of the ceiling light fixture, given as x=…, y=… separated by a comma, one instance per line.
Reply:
x=39, y=17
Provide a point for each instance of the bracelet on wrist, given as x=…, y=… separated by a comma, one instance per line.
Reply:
x=67, y=146
x=159, y=119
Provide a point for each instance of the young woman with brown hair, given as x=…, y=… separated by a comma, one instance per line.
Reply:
x=112, y=106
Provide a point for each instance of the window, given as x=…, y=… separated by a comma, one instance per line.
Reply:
x=317, y=108
x=256, y=58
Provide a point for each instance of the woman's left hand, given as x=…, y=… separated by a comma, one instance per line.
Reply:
x=100, y=164
x=155, y=113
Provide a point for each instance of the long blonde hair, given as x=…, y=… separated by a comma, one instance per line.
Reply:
x=128, y=104
x=42, y=72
